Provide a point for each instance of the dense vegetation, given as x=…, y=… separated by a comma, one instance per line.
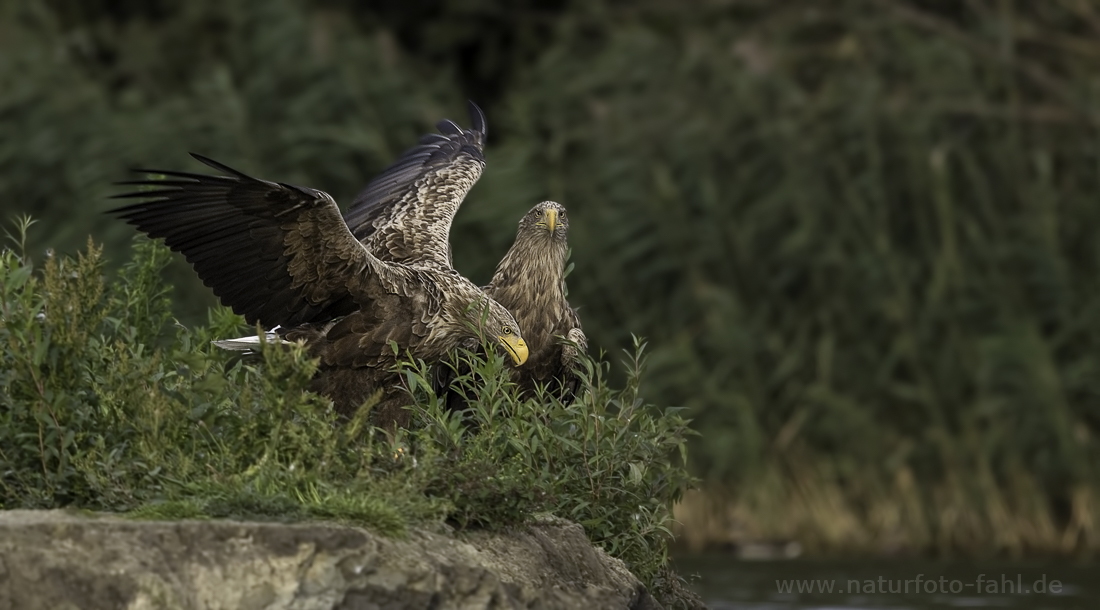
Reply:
x=108, y=405
x=859, y=236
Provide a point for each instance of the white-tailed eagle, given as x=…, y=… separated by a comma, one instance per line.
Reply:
x=283, y=257
x=529, y=281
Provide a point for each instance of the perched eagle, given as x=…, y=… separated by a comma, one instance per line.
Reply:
x=282, y=256
x=530, y=282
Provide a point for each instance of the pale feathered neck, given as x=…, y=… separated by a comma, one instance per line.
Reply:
x=533, y=265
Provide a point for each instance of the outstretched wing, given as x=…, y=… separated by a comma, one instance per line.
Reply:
x=405, y=214
x=276, y=253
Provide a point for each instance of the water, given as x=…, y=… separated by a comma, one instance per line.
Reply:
x=802, y=584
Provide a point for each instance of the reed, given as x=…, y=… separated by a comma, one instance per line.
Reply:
x=964, y=517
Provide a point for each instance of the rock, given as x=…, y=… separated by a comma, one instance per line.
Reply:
x=60, y=560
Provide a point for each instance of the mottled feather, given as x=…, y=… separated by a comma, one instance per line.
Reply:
x=282, y=256
x=530, y=282
x=405, y=213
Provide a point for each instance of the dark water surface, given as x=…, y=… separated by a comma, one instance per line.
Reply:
x=726, y=582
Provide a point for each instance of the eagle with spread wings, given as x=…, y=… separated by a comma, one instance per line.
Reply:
x=529, y=281
x=283, y=256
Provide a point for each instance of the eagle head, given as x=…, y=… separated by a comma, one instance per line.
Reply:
x=495, y=324
x=546, y=220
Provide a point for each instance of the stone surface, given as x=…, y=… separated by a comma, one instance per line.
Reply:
x=62, y=560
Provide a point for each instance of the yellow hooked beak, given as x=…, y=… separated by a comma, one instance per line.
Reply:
x=551, y=219
x=516, y=347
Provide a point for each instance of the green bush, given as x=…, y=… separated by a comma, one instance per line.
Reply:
x=608, y=461
x=107, y=404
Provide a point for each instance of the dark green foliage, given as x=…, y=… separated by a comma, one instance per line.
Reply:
x=142, y=87
x=859, y=237
x=107, y=404
x=862, y=236
x=602, y=461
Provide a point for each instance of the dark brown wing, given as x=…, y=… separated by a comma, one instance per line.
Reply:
x=405, y=213
x=276, y=253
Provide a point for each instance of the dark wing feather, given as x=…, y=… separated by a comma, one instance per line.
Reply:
x=276, y=253
x=405, y=213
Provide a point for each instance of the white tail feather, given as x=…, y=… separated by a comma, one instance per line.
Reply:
x=242, y=344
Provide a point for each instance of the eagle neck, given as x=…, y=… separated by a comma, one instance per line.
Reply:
x=528, y=282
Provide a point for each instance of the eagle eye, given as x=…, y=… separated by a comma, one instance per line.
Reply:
x=507, y=330
x=538, y=213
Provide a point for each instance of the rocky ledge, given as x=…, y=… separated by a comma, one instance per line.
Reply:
x=63, y=560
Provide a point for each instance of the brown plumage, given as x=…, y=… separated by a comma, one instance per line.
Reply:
x=396, y=217
x=530, y=277
x=530, y=282
x=282, y=256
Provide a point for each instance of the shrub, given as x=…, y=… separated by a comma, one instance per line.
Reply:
x=107, y=404
x=608, y=461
